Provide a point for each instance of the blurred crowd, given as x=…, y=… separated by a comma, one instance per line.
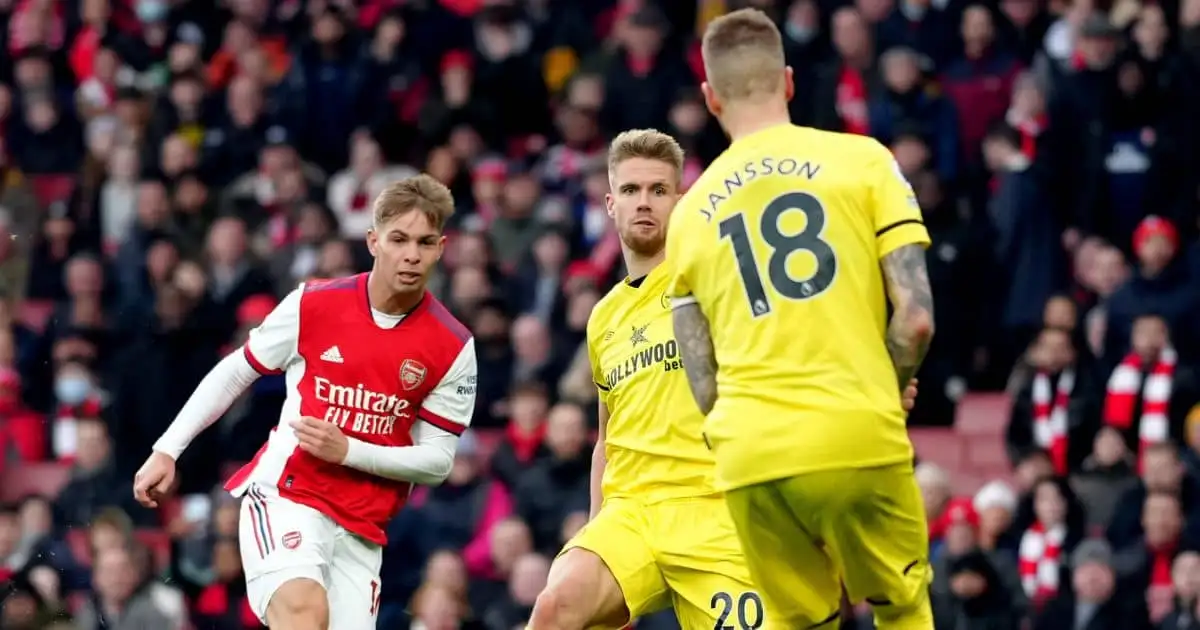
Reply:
x=170, y=168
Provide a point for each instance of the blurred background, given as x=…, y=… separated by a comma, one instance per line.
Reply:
x=170, y=168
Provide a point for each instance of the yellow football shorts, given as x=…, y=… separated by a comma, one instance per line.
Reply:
x=681, y=553
x=806, y=536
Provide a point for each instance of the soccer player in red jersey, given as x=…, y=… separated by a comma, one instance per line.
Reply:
x=381, y=382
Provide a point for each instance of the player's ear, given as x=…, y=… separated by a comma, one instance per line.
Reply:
x=608, y=205
x=789, y=83
x=441, y=246
x=710, y=99
x=372, y=240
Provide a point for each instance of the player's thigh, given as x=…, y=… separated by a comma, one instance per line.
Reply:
x=285, y=548
x=607, y=573
x=798, y=581
x=875, y=524
x=703, y=564
x=354, y=582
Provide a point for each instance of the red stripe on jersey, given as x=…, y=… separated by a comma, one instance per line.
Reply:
x=256, y=364
x=448, y=426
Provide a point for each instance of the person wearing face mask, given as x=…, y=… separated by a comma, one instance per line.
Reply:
x=76, y=397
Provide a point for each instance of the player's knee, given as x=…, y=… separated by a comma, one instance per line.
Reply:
x=570, y=606
x=299, y=604
x=557, y=610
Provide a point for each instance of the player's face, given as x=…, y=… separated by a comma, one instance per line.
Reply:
x=643, y=194
x=405, y=250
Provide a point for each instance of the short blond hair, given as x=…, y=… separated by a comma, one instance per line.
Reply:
x=422, y=193
x=649, y=144
x=743, y=55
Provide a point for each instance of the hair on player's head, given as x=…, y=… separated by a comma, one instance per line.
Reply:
x=648, y=144
x=421, y=193
x=743, y=55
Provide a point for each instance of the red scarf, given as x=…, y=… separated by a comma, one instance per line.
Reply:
x=66, y=420
x=1040, y=561
x=852, y=101
x=525, y=445
x=1030, y=129
x=1050, y=416
x=1124, y=387
x=1160, y=565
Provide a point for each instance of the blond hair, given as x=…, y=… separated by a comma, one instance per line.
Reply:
x=422, y=193
x=648, y=144
x=743, y=55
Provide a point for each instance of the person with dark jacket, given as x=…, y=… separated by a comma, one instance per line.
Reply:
x=1094, y=602
x=978, y=599
x=553, y=485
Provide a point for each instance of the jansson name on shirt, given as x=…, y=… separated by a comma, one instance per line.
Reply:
x=360, y=410
x=750, y=171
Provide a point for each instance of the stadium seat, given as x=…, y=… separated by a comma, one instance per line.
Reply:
x=35, y=313
x=80, y=546
x=939, y=446
x=985, y=452
x=48, y=189
x=159, y=544
x=982, y=414
x=43, y=478
x=967, y=484
x=489, y=440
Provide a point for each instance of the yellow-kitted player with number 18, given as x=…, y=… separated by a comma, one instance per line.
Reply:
x=781, y=256
x=660, y=535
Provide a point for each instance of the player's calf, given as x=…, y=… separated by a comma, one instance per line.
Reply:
x=580, y=593
x=299, y=604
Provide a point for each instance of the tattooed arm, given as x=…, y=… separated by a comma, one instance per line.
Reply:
x=911, y=327
x=696, y=349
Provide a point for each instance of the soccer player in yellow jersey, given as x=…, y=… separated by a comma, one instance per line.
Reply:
x=660, y=534
x=781, y=256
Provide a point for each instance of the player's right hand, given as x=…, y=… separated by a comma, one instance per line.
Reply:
x=909, y=397
x=154, y=480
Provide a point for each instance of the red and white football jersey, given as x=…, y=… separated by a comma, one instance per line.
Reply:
x=344, y=363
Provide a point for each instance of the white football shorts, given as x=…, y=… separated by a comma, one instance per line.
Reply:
x=281, y=540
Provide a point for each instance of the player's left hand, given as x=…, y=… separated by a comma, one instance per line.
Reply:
x=909, y=397
x=323, y=440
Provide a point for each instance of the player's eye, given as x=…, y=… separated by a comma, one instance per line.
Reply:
x=660, y=190
x=629, y=190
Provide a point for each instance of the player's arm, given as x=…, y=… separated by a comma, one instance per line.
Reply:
x=695, y=343
x=901, y=239
x=911, y=328
x=269, y=349
x=599, y=461
x=444, y=415
x=692, y=333
x=599, y=454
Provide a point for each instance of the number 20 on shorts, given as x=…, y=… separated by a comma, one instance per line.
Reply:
x=782, y=247
x=746, y=609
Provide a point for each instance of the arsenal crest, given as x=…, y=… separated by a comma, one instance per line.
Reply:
x=412, y=374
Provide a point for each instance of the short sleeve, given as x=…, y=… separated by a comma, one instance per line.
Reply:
x=272, y=345
x=897, y=215
x=452, y=402
x=597, y=373
x=679, y=258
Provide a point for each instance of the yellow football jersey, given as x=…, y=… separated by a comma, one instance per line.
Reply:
x=779, y=242
x=653, y=440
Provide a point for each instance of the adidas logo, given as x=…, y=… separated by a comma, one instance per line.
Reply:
x=333, y=355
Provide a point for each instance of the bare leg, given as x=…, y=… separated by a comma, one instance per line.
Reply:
x=581, y=593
